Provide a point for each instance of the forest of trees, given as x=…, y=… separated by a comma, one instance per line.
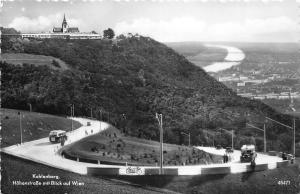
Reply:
x=127, y=82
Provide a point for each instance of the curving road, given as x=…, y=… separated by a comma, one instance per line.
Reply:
x=261, y=158
x=44, y=152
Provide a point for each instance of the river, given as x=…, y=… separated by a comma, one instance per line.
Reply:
x=234, y=57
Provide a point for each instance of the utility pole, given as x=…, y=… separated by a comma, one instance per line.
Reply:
x=91, y=112
x=159, y=119
x=231, y=135
x=100, y=118
x=124, y=122
x=21, y=133
x=189, y=135
x=293, y=128
x=30, y=107
x=263, y=130
x=294, y=122
x=232, y=139
x=265, y=141
x=294, y=144
x=72, y=115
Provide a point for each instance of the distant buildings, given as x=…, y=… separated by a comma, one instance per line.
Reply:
x=65, y=28
x=241, y=84
x=281, y=96
x=63, y=32
x=242, y=79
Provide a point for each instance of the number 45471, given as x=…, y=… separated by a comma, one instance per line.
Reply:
x=281, y=182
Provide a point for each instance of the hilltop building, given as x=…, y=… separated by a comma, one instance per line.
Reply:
x=65, y=28
x=63, y=32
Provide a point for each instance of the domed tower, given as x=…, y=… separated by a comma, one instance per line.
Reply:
x=64, y=25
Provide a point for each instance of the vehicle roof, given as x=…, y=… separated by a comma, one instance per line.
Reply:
x=58, y=131
x=248, y=147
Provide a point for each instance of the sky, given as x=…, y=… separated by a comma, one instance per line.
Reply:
x=163, y=20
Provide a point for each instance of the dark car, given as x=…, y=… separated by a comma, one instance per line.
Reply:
x=248, y=154
x=218, y=147
x=57, y=136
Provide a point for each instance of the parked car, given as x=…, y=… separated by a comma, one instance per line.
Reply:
x=218, y=147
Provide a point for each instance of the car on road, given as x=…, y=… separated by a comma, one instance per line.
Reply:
x=57, y=136
x=248, y=153
x=218, y=147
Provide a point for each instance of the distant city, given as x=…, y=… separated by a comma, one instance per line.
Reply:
x=276, y=82
x=269, y=72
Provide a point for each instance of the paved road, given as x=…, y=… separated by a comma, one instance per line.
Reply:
x=261, y=158
x=44, y=152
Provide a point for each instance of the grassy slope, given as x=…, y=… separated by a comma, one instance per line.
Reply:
x=34, y=125
x=113, y=146
x=20, y=58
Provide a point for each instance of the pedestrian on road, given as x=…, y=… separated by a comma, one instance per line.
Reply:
x=224, y=158
x=284, y=157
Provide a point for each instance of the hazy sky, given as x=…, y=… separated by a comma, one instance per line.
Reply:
x=164, y=20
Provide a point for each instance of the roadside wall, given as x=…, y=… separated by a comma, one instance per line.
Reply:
x=186, y=170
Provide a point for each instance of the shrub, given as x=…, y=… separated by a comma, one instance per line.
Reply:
x=55, y=63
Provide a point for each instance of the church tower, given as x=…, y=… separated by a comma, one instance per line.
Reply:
x=64, y=25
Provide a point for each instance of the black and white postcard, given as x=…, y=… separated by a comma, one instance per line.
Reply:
x=150, y=96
